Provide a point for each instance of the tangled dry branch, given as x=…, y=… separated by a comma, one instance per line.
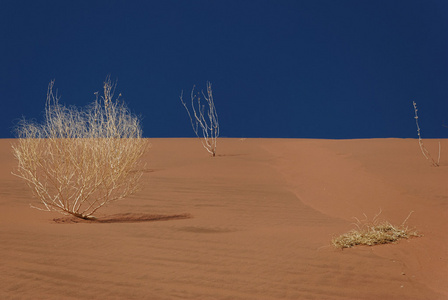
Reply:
x=77, y=161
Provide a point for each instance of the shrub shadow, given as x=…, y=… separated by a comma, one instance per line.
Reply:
x=123, y=218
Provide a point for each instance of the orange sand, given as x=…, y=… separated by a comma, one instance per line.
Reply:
x=255, y=222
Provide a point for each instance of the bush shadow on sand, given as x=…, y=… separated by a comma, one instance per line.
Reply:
x=123, y=218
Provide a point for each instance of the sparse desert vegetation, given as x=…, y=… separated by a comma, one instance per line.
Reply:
x=79, y=160
x=209, y=126
x=374, y=232
x=425, y=151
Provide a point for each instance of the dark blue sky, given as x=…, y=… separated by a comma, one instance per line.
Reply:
x=294, y=69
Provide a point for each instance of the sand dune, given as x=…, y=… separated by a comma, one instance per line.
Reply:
x=255, y=222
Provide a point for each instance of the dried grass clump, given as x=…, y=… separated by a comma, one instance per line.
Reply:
x=77, y=161
x=373, y=232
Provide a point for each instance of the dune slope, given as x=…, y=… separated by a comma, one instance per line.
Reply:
x=255, y=222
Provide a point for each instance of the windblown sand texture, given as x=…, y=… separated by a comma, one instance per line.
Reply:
x=255, y=222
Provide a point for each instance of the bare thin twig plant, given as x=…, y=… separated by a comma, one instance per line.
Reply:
x=207, y=121
x=425, y=151
x=78, y=161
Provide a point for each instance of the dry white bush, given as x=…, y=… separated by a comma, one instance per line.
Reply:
x=77, y=161
x=425, y=151
x=209, y=125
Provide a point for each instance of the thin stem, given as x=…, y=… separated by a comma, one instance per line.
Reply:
x=425, y=151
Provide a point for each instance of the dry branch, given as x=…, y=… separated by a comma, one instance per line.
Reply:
x=77, y=161
x=207, y=121
x=425, y=151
